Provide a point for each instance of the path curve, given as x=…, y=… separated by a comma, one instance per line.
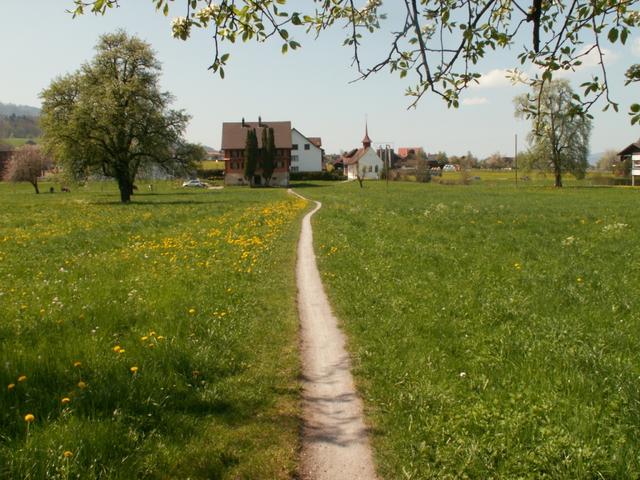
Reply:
x=335, y=443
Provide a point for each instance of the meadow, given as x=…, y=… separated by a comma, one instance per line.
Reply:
x=494, y=330
x=150, y=340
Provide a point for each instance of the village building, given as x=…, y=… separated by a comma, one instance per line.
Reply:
x=632, y=153
x=363, y=162
x=306, y=153
x=234, y=140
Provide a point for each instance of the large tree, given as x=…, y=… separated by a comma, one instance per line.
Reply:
x=435, y=44
x=27, y=164
x=111, y=118
x=559, y=137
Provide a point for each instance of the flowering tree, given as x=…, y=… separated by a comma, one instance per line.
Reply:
x=559, y=139
x=435, y=44
x=27, y=164
x=111, y=118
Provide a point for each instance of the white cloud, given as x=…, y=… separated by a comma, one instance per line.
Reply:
x=496, y=78
x=475, y=101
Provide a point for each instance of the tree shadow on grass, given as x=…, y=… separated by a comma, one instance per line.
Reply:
x=310, y=185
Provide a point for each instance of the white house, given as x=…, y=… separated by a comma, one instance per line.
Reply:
x=363, y=161
x=306, y=153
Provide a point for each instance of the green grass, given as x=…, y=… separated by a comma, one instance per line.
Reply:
x=18, y=142
x=494, y=331
x=197, y=288
x=212, y=165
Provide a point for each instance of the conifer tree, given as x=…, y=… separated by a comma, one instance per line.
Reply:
x=269, y=154
x=250, y=156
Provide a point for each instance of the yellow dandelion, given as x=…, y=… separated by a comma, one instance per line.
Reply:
x=192, y=311
x=116, y=348
x=144, y=338
x=65, y=400
x=134, y=369
x=11, y=386
x=82, y=385
x=67, y=454
x=29, y=417
x=579, y=280
x=22, y=378
x=122, y=350
x=517, y=266
x=160, y=337
x=77, y=364
x=152, y=333
x=42, y=311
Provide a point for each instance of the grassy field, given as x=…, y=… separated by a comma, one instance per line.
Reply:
x=154, y=340
x=18, y=142
x=494, y=331
x=525, y=179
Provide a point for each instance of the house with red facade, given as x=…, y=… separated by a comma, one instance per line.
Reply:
x=234, y=140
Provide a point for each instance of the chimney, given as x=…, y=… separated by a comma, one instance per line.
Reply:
x=259, y=121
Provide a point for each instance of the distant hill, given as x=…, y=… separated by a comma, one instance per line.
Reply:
x=8, y=109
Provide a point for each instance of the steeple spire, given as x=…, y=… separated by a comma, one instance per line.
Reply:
x=366, y=141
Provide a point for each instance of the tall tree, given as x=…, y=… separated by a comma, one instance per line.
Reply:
x=251, y=156
x=559, y=137
x=27, y=164
x=269, y=154
x=435, y=44
x=110, y=117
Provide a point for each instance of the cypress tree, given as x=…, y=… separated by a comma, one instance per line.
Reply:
x=269, y=154
x=250, y=155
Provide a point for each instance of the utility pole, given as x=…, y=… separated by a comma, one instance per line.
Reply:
x=515, y=160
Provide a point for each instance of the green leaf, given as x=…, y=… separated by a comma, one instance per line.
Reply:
x=284, y=34
x=285, y=48
x=613, y=35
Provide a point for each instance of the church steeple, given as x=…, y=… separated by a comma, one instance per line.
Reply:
x=366, y=141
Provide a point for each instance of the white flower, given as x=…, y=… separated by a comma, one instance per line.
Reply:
x=463, y=374
x=181, y=27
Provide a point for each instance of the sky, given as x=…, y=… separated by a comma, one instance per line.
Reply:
x=313, y=87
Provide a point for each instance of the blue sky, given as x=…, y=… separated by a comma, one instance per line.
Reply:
x=311, y=87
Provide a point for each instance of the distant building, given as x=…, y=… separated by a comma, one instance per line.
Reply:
x=5, y=154
x=306, y=153
x=234, y=139
x=363, y=161
x=404, y=152
x=632, y=153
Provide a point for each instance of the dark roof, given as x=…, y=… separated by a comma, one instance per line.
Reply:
x=354, y=155
x=317, y=141
x=633, y=148
x=234, y=134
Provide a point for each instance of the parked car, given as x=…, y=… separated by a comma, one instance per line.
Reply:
x=194, y=183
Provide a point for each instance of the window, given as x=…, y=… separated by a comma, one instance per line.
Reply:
x=376, y=168
x=294, y=169
x=294, y=158
x=294, y=146
x=370, y=168
x=306, y=146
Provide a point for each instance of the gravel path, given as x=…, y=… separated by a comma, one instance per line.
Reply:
x=335, y=444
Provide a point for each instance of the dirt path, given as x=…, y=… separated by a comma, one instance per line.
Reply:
x=335, y=444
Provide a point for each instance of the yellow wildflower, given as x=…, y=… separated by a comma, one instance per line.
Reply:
x=116, y=348
x=82, y=385
x=65, y=400
x=192, y=311
x=11, y=386
x=22, y=378
x=144, y=338
x=77, y=364
x=134, y=369
x=67, y=454
x=29, y=417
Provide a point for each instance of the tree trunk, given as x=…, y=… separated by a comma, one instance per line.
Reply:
x=558, y=177
x=35, y=185
x=126, y=188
